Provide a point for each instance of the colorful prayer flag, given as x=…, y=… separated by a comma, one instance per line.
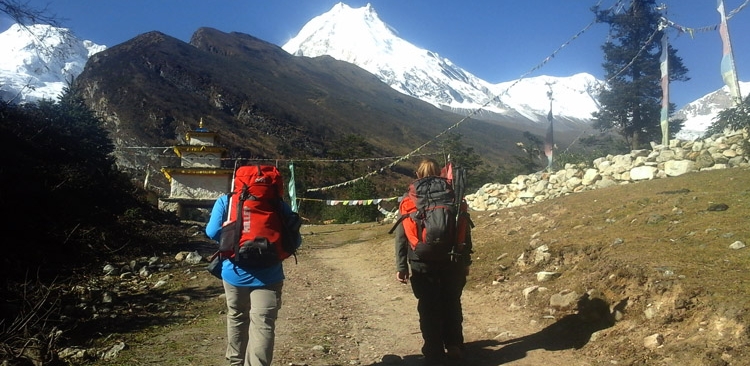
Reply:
x=447, y=171
x=292, y=188
x=728, y=71
x=548, y=141
x=664, y=66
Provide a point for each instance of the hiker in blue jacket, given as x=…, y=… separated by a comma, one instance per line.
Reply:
x=437, y=285
x=253, y=299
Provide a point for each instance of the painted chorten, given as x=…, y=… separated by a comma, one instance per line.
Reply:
x=199, y=179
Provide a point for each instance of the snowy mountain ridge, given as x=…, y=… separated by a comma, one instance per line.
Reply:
x=359, y=36
x=39, y=60
x=700, y=113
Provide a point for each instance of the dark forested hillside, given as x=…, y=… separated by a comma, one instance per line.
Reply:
x=263, y=102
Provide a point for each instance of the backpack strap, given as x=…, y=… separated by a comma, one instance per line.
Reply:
x=229, y=213
x=401, y=218
x=245, y=195
x=459, y=185
x=238, y=217
x=280, y=212
x=419, y=223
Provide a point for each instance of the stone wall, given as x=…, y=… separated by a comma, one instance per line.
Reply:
x=717, y=152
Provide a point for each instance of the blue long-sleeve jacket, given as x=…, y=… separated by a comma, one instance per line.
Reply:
x=231, y=273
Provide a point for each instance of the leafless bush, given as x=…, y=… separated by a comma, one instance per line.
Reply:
x=28, y=327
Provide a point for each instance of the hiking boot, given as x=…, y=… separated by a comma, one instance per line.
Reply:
x=434, y=361
x=454, y=353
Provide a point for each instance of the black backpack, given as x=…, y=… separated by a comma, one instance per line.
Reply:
x=428, y=213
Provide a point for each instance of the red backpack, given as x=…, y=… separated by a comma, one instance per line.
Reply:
x=256, y=224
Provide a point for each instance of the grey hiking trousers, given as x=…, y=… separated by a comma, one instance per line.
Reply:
x=251, y=323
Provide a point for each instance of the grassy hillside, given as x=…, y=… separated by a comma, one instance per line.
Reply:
x=659, y=251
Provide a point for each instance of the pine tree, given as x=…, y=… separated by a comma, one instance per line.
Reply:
x=631, y=102
x=463, y=156
x=735, y=118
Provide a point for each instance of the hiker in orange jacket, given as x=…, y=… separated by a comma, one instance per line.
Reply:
x=437, y=285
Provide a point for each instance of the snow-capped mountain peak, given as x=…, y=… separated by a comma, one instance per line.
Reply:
x=351, y=33
x=38, y=60
x=700, y=114
x=359, y=36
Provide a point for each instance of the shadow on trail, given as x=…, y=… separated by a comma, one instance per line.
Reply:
x=409, y=360
x=570, y=332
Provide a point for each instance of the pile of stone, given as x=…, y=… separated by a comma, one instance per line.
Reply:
x=717, y=152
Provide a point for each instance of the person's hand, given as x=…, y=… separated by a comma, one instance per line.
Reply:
x=402, y=276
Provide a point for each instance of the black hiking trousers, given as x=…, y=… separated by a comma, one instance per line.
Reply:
x=438, y=287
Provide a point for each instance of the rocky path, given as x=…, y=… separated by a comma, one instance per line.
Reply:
x=343, y=306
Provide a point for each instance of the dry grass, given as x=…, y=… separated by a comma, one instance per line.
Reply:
x=660, y=247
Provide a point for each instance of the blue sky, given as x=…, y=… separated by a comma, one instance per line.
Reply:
x=495, y=40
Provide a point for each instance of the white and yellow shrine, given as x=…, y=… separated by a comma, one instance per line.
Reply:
x=199, y=179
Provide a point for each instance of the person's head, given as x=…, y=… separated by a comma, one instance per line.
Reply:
x=428, y=167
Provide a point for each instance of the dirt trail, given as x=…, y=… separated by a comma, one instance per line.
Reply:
x=342, y=300
x=342, y=306
x=665, y=282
